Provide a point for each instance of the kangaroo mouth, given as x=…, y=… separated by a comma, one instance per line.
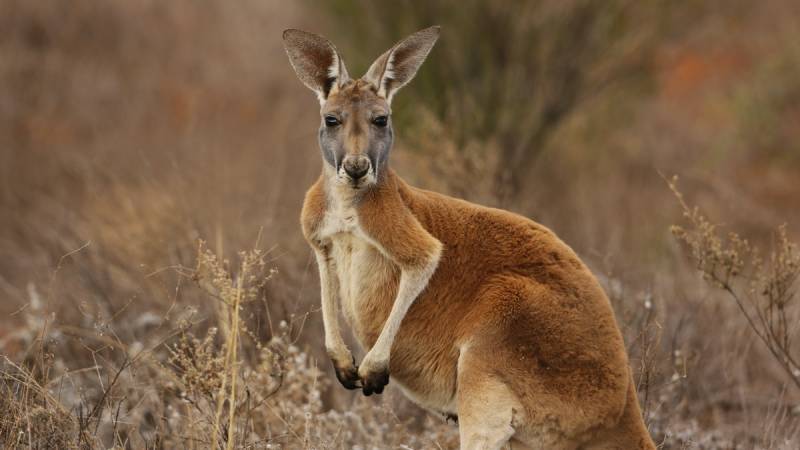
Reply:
x=358, y=184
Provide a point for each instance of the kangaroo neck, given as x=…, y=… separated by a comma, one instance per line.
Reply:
x=343, y=194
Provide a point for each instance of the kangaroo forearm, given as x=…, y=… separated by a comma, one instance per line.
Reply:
x=329, y=288
x=412, y=283
x=416, y=252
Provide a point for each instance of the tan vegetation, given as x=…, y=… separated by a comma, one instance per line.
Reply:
x=763, y=290
x=129, y=130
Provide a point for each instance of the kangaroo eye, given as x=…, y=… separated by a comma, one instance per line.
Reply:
x=331, y=121
x=380, y=121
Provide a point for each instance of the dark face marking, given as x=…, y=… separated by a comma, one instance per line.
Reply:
x=356, y=122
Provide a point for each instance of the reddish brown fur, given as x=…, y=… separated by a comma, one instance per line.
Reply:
x=505, y=326
x=511, y=288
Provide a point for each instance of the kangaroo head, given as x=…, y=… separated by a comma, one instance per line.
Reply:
x=355, y=133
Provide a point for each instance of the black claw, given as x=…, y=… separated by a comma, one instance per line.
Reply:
x=375, y=382
x=348, y=375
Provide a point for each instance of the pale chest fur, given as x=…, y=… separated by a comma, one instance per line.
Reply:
x=367, y=286
x=366, y=278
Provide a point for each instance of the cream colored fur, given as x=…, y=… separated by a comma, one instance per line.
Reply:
x=355, y=264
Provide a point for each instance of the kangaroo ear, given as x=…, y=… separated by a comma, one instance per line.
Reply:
x=316, y=61
x=395, y=68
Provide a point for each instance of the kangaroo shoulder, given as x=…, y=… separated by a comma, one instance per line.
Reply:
x=387, y=218
x=313, y=213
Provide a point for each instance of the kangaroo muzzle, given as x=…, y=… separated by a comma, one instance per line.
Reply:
x=356, y=167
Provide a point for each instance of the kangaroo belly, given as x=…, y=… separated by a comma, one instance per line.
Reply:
x=367, y=285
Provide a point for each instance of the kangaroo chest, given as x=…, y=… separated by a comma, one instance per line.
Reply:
x=366, y=286
x=367, y=280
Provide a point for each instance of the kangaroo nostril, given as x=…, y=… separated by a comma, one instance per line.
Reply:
x=356, y=167
x=356, y=172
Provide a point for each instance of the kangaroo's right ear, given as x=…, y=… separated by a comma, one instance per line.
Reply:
x=395, y=68
x=316, y=61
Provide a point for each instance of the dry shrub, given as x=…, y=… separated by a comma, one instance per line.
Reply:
x=140, y=142
x=763, y=291
x=201, y=382
x=32, y=417
x=657, y=358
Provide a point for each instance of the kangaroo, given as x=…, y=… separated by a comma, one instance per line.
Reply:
x=476, y=313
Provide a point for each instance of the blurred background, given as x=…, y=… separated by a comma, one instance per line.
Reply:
x=131, y=129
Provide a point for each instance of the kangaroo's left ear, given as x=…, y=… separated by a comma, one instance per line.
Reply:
x=395, y=68
x=316, y=61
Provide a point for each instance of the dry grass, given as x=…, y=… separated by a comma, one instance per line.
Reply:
x=764, y=291
x=205, y=382
x=130, y=130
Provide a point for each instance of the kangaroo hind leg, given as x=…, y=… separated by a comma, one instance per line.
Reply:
x=486, y=406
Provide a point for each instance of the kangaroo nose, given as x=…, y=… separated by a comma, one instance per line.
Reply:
x=356, y=166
